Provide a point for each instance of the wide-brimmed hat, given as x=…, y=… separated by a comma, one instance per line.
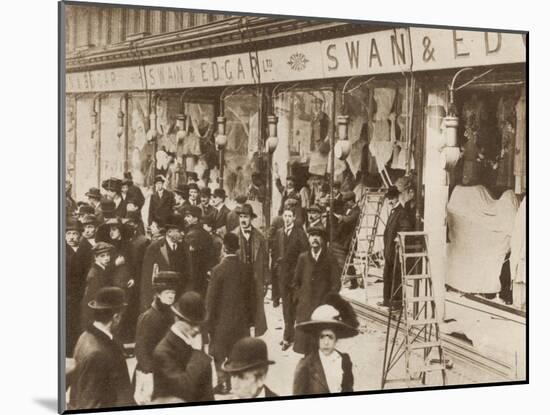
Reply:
x=246, y=354
x=93, y=193
x=194, y=211
x=73, y=225
x=166, y=280
x=102, y=247
x=246, y=209
x=108, y=298
x=191, y=308
x=102, y=233
x=112, y=184
x=317, y=230
x=335, y=314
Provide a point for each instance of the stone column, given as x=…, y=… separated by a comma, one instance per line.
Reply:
x=436, y=195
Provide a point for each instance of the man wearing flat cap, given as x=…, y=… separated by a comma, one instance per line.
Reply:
x=100, y=378
x=253, y=252
x=161, y=203
x=248, y=365
x=181, y=370
x=152, y=326
x=100, y=275
x=201, y=251
x=231, y=303
x=317, y=273
x=169, y=253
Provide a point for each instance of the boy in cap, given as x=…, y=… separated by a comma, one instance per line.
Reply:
x=248, y=365
x=152, y=326
x=181, y=370
x=100, y=378
x=231, y=303
x=161, y=204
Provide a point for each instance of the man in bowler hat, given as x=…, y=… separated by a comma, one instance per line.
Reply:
x=100, y=378
x=247, y=365
x=231, y=303
x=181, y=370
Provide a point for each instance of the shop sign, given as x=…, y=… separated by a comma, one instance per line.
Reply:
x=388, y=51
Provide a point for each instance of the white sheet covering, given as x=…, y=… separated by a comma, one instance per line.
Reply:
x=480, y=229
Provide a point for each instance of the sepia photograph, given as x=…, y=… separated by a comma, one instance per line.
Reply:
x=264, y=207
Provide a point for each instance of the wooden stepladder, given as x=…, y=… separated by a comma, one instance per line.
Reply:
x=413, y=310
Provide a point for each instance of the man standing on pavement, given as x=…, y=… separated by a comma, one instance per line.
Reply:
x=181, y=370
x=345, y=230
x=100, y=378
x=169, y=253
x=152, y=326
x=201, y=251
x=233, y=216
x=230, y=302
x=253, y=253
x=221, y=211
x=206, y=208
x=131, y=191
x=291, y=242
x=161, y=203
x=317, y=273
x=94, y=199
x=248, y=365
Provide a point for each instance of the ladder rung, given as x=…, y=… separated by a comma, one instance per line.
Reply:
x=421, y=322
x=416, y=277
x=419, y=299
x=415, y=254
x=430, y=368
x=424, y=345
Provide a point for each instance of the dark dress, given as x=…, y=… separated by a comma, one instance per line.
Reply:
x=100, y=378
x=310, y=377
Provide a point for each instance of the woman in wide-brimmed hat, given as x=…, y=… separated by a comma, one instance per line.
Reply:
x=327, y=370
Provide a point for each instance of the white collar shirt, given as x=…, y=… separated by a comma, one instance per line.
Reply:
x=332, y=366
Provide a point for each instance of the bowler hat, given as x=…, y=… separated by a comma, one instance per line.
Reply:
x=193, y=211
x=159, y=178
x=182, y=190
x=102, y=247
x=246, y=209
x=175, y=220
x=94, y=193
x=291, y=203
x=192, y=176
x=107, y=206
x=193, y=186
x=206, y=192
x=335, y=314
x=166, y=280
x=246, y=354
x=318, y=231
x=108, y=298
x=85, y=209
x=112, y=184
x=190, y=307
x=219, y=193
x=89, y=220
x=231, y=242
x=73, y=225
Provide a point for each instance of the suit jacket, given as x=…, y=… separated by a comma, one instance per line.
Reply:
x=158, y=252
x=220, y=217
x=96, y=279
x=160, y=208
x=312, y=282
x=259, y=269
x=202, y=256
x=310, y=377
x=231, y=305
x=207, y=210
x=100, y=378
x=180, y=371
x=345, y=229
x=398, y=221
x=152, y=326
x=289, y=249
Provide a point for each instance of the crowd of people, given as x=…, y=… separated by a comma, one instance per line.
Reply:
x=184, y=277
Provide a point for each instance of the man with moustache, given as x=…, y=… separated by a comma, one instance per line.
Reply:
x=254, y=254
x=317, y=273
x=181, y=370
x=291, y=241
x=100, y=378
